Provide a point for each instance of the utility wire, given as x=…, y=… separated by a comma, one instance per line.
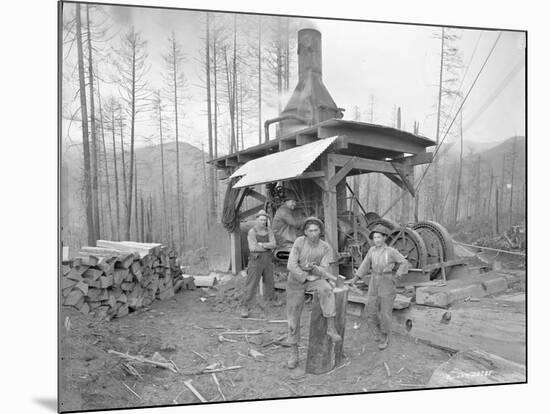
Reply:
x=505, y=82
x=448, y=129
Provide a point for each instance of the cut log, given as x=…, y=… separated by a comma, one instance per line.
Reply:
x=323, y=355
x=127, y=286
x=455, y=290
x=74, y=297
x=124, y=260
x=68, y=283
x=83, y=287
x=477, y=367
x=75, y=275
x=106, y=281
x=119, y=276
x=484, y=325
x=92, y=273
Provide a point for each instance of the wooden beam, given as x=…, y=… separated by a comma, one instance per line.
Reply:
x=364, y=164
x=406, y=173
x=254, y=194
x=244, y=158
x=341, y=143
x=240, y=198
x=250, y=211
x=286, y=144
x=231, y=162
x=396, y=180
x=374, y=139
x=341, y=174
x=304, y=139
x=321, y=182
x=421, y=158
x=310, y=174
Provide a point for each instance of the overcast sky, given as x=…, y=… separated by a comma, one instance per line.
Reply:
x=397, y=64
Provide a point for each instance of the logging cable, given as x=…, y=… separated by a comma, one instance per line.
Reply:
x=448, y=129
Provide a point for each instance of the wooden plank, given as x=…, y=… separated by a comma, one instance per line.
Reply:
x=477, y=367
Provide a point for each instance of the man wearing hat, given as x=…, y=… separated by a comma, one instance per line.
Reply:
x=261, y=241
x=380, y=261
x=286, y=222
x=308, y=264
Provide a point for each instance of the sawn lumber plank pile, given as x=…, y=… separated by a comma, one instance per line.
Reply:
x=116, y=278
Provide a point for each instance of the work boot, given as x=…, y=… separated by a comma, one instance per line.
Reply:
x=244, y=312
x=293, y=360
x=331, y=330
x=384, y=341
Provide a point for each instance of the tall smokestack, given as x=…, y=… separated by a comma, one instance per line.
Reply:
x=310, y=102
x=310, y=55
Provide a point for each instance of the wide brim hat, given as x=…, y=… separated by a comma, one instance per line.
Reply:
x=379, y=229
x=290, y=196
x=314, y=220
x=261, y=213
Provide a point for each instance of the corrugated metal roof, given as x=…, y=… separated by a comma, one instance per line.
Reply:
x=282, y=165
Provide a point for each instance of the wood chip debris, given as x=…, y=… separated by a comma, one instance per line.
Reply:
x=156, y=360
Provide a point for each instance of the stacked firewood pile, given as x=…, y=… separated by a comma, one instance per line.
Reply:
x=116, y=278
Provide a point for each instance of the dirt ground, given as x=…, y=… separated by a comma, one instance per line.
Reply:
x=188, y=324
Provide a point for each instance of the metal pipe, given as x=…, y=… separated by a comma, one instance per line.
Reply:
x=282, y=118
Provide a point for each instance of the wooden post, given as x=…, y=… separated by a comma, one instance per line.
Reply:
x=330, y=211
x=236, y=262
x=322, y=354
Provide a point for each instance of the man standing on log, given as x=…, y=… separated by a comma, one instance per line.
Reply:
x=380, y=261
x=286, y=222
x=261, y=241
x=308, y=264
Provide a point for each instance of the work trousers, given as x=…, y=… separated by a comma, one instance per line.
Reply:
x=380, y=298
x=260, y=267
x=295, y=299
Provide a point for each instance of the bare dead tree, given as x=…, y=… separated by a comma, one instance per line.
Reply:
x=132, y=69
x=92, y=237
x=175, y=83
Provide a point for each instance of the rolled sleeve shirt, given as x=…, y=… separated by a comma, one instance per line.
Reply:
x=382, y=260
x=304, y=252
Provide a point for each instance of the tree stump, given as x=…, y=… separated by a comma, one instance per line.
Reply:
x=322, y=354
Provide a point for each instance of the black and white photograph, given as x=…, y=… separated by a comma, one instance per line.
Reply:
x=272, y=206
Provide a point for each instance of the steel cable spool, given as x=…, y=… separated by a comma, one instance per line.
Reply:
x=438, y=241
x=411, y=245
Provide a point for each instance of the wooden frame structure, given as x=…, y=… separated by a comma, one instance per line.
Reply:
x=360, y=148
